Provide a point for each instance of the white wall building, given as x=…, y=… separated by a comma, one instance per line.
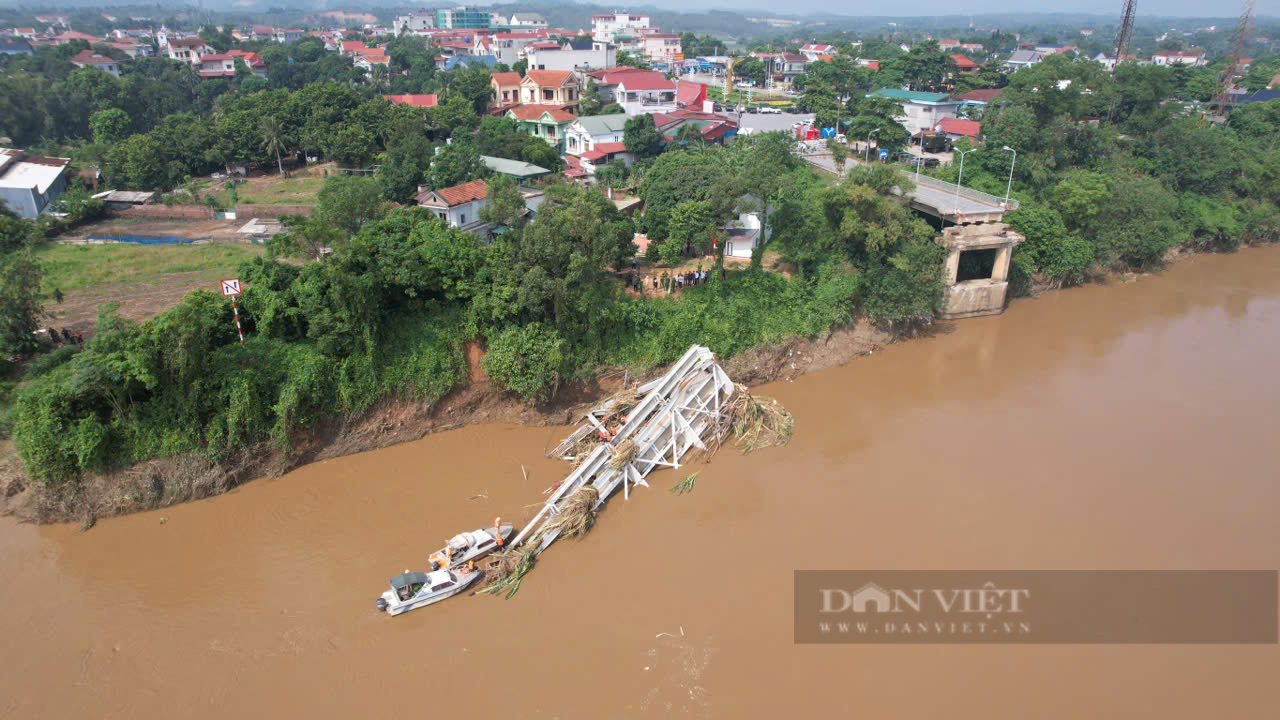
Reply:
x=585, y=133
x=661, y=47
x=743, y=235
x=414, y=22
x=30, y=183
x=604, y=26
x=1189, y=58
x=569, y=57
x=459, y=206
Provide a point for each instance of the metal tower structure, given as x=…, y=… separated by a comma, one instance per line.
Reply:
x=1126, y=28
x=1237, y=50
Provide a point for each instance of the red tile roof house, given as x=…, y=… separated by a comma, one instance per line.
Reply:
x=252, y=60
x=217, y=65
x=648, y=92
x=89, y=58
x=459, y=206
x=189, y=50
x=548, y=122
x=550, y=87
x=603, y=154
x=505, y=90
x=427, y=100
x=70, y=35
x=962, y=63
x=956, y=128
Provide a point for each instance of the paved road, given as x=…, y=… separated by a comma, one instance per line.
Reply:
x=764, y=123
x=944, y=201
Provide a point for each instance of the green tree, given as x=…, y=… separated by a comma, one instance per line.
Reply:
x=641, y=137
x=273, y=139
x=454, y=164
x=504, y=205
x=557, y=270
x=691, y=225
x=349, y=146
x=20, y=302
x=768, y=170
x=219, y=40
x=109, y=126
x=346, y=202
x=589, y=103
x=404, y=167
x=526, y=360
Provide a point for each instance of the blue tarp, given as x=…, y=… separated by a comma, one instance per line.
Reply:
x=145, y=239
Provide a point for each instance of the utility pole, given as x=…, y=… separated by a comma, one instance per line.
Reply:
x=1233, y=60
x=961, y=177
x=1009, y=188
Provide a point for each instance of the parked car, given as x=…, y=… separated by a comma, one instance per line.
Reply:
x=753, y=108
x=794, y=109
x=931, y=162
x=770, y=110
x=903, y=156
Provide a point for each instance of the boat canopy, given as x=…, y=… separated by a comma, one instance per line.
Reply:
x=407, y=579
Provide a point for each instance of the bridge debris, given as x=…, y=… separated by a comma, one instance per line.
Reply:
x=694, y=406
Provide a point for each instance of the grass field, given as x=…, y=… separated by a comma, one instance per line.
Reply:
x=76, y=267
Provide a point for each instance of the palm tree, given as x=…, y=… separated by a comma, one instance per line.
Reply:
x=273, y=138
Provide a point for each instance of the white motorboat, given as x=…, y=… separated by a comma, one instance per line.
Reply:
x=465, y=547
x=412, y=590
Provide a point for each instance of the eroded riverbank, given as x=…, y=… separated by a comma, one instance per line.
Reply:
x=1123, y=426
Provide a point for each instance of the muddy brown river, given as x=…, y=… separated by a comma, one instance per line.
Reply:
x=1109, y=427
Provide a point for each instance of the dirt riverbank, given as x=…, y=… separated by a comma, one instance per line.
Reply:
x=167, y=481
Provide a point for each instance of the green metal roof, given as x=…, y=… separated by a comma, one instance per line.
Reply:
x=514, y=168
x=923, y=98
x=603, y=124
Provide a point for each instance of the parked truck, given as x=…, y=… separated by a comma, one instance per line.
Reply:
x=935, y=143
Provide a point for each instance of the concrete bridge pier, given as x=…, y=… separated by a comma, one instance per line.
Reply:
x=980, y=296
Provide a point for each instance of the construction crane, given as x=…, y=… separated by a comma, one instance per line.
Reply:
x=1126, y=29
x=1237, y=50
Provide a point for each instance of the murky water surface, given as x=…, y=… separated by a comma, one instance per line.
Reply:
x=1128, y=426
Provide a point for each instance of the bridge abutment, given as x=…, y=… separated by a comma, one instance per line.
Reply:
x=979, y=296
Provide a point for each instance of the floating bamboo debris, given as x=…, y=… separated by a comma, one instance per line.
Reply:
x=508, y=570
x=575, y=516
x=757, y=422
x=685, y=485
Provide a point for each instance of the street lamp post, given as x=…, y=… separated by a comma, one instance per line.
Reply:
x=866, y=156
x=1009, y=188
x=961, y=177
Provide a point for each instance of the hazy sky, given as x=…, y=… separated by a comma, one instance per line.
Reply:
x=1190, y=8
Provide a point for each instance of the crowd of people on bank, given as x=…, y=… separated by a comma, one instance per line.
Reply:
x=667, y=282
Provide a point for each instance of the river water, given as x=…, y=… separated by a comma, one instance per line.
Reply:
x=1111, y=427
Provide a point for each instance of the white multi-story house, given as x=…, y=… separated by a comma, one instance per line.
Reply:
x=573, y=55
x=585, y=133
x=604, y=26
x=645, y=92
x=529, y=20
x=508, y=46
x=1189, y=58
x=189, y=50
x=661, y=47
x=414, y=22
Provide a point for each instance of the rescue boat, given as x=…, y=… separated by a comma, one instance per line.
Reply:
x=412, y=590
x=465, y=547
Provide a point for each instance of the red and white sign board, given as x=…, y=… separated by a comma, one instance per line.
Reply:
x=230, y=288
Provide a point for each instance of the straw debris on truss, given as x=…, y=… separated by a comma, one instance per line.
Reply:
x=682, y=410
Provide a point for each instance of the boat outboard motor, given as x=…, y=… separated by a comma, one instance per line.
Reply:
x=381, y=604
